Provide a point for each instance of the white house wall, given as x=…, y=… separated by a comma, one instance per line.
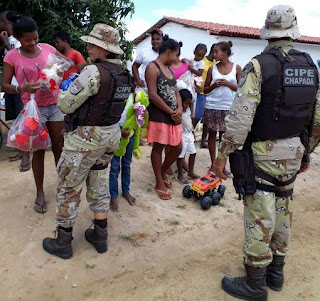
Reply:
x=243, y=49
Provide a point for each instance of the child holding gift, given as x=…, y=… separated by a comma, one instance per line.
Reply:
x=122, y=163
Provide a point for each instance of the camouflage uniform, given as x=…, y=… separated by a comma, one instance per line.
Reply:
x=86, y=153
x=267, y=218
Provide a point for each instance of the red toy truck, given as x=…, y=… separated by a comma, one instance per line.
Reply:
x=207, y=189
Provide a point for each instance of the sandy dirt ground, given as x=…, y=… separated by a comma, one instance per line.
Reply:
x=158, y=250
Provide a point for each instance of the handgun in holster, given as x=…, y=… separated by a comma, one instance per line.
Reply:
x=242, y=168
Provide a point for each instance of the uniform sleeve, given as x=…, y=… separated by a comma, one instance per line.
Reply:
x=243, y=109
x=86, y=85
x=315, y=138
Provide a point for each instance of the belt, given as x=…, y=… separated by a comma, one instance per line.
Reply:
x=274, y=189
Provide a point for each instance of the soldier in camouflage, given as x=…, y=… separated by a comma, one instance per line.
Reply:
x=89, y=142
x=268, y=212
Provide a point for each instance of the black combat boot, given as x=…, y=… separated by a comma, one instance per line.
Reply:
x=275, y=273
x=98, y=236
x=251, y=287
x=60, y=246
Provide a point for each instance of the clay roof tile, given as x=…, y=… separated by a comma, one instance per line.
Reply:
x=218, y=29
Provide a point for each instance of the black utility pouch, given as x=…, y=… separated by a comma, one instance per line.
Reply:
x=242, y=168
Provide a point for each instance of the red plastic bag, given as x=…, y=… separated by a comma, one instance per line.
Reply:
x=27, y=133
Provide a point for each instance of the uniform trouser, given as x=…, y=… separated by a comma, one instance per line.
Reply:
x=267, y=218
x=76, y=167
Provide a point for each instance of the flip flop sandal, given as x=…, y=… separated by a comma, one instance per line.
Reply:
x=181, y=182
x=227, y=173
x=168, y=183
x=24, y=167
x=17, y=157
x=194, y=177
x=163, y=195
x=40, y=208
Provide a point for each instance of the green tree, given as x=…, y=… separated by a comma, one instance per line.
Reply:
x=76, y=17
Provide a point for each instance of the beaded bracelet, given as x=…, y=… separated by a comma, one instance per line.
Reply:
x=20, y=89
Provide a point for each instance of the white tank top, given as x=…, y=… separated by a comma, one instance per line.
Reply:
x=222, y=98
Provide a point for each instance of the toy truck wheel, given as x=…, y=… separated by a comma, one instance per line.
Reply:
x=186, y=192
x=221, y=190
x=206, y=203
x=215, y=197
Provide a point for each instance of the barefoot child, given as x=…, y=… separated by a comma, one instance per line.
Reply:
x=122, y=163
x=188, y=139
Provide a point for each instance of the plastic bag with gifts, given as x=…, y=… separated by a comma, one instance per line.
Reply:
x=27, y=133
x=50, y=77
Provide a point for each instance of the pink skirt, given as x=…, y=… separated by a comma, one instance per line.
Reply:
x=165, y=134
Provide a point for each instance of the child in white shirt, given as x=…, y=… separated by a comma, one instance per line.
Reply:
x=188, y=146
x=196, y=66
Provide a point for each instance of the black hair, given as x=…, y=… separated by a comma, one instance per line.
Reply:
x=180, y=45
x=200, y=47
x=63, y=36
x=212, y=47
x=185, y=95
x=225, y=47
x=11, y=15
x=21, y=24
x=170, y=44
x=3, y=15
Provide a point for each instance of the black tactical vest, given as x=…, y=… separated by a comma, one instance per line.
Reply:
x=288, y=95
x=105, y=107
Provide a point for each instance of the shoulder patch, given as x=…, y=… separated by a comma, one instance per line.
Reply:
x=76, y=87
x=83, y=79
x=245, y=71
